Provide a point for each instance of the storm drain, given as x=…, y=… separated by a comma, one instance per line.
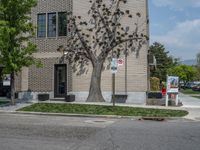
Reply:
x=153, y=118
x=99, y=121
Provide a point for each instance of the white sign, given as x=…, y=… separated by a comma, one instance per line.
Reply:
x=120, y=62
x=172, y=84
x=114, y=65
x=6, y=80
x=172, y=88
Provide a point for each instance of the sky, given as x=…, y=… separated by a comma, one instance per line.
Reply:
x=176, y=25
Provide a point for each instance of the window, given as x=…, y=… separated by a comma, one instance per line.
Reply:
x=62, y=23
x=41, y=25
x=51, y=25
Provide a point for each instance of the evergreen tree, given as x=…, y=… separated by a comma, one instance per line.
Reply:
x=164, y=61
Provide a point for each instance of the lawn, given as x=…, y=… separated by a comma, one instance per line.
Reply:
x=3, y=102
x=189, y=91
x=196, y=97
x=103, y=110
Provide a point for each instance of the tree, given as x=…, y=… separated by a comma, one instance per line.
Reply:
x=15, y=31
x=164, y=62
x=198, y=66
x=101, y=38
x=184, y=72
x=198, y=60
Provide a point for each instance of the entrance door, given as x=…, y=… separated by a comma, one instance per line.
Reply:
x=60, y=80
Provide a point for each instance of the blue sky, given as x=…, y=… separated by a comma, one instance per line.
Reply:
x=176, y=25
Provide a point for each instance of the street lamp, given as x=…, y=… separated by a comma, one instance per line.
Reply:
x=62, y=50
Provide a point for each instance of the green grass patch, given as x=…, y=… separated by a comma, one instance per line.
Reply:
x=196, y=97
x=189, y=91
x=103, y=110
x=3, y=102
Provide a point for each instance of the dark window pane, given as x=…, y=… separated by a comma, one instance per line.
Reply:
x=62, y=23
x=41, y=25
x=51, y=25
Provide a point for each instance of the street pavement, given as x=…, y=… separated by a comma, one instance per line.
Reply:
x=54, y=132
x=37, y=132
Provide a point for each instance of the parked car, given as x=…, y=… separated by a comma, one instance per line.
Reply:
x=190, y=85
x=181, y=85
x=196, y=87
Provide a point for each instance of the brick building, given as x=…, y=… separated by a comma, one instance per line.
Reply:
x=49, y=16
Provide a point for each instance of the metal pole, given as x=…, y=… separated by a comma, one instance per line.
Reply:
x=113, y=83
x=167, y=96
x=113, y=88
x=126, y=69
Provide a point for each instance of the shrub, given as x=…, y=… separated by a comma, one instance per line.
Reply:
x=154, y=84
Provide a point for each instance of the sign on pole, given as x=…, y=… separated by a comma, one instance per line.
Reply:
x=114, y=65
x=120, y=62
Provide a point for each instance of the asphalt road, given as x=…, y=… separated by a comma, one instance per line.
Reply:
x=30, y=132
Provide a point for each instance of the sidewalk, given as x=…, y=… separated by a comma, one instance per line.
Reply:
x=189, y=101
x=192, y=105
x=13, y=108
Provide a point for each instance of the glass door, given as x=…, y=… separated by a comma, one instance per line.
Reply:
x=60, y=80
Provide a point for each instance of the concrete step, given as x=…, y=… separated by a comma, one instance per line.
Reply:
x=57, y=99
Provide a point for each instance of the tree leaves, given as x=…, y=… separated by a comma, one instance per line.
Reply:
x=15, y=49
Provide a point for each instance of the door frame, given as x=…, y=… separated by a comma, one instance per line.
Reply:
x=56, y=95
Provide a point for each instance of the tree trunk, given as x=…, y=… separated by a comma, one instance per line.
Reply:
x=12, y=82
x=95, y=94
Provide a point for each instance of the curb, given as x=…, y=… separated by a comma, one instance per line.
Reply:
x=96, y=116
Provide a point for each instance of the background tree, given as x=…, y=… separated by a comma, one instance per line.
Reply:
x=198, y=60
x=100, y=38
x=15, y=31
x=184, y=72
x=198, y=66
x=164, y=62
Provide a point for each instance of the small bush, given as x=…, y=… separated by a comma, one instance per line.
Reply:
x=154, y=84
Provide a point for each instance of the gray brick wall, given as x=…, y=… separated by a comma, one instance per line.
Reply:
x=47, y=6
x=42, y=79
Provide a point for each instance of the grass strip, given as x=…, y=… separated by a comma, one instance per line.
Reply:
x=189, y=91
x=196, y=97
x=3, y=102
x=103, y=110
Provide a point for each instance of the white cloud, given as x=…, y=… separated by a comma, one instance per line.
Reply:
x=176, y=4
x=183, y=40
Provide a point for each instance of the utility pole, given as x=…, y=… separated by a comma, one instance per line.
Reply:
x=126, y=68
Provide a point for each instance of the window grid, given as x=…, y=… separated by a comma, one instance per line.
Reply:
x=41, y=25
x=51, y=25
x=62, y=24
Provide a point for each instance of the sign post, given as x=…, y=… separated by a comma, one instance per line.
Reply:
x=114, y=66
x=172, y=88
